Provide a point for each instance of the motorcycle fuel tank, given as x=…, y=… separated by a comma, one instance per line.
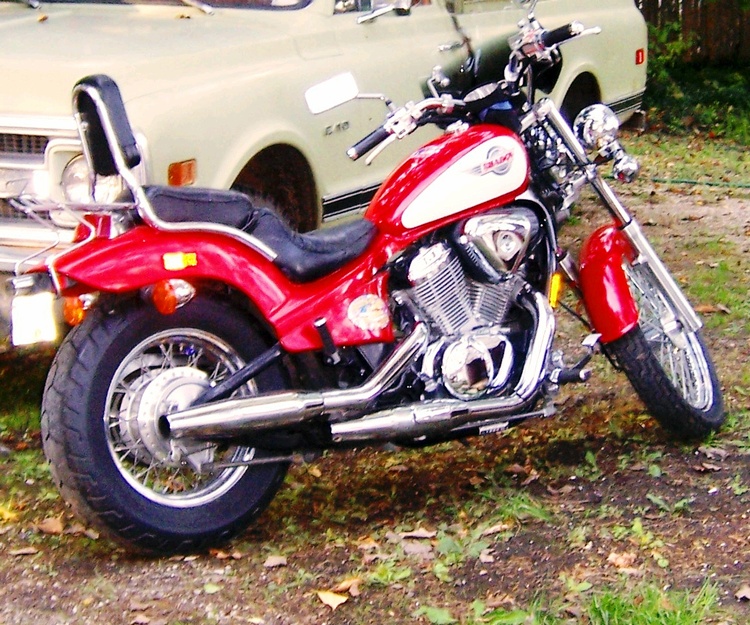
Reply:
x=456, y=175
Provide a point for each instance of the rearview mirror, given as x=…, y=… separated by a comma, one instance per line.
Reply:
x=331, y=93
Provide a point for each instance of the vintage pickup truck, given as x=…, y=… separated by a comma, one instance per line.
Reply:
x=215, y=90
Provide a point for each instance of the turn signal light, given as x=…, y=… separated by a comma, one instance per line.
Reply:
x=169, y=295
x=74, y=310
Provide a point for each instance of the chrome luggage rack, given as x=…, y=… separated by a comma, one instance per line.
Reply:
x=34, y=208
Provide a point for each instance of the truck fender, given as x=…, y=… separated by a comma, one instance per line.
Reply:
x=607, y=298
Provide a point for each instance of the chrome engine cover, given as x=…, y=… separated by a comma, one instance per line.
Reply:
x=477, y=364
x=496, y=242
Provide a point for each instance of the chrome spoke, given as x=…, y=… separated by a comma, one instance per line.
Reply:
x=167, y=370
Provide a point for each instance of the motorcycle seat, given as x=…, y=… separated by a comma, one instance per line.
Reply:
x=312, y=255
x=302, y=257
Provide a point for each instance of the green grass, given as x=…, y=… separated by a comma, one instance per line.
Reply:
x=643, y=605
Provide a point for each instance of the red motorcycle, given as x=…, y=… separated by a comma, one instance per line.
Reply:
x=214, y=346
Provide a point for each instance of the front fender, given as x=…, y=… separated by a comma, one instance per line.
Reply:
x=606, y=295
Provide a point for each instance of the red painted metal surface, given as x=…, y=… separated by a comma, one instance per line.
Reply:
x=606, y=294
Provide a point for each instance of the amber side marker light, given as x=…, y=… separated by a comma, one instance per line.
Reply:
x=557, y=284
x=183, y=173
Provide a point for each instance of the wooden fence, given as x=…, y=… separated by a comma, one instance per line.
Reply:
x=720, y=29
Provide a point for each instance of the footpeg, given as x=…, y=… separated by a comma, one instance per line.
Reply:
x=577, y=373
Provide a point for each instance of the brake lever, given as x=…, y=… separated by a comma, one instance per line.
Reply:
x=376, y=152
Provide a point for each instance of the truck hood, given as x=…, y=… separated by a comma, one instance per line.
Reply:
x=146, y=49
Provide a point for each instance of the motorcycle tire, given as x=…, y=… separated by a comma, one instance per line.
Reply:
x=111, y=377
x=672, y=371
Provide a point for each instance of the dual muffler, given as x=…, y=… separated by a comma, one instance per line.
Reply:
x=353, y=422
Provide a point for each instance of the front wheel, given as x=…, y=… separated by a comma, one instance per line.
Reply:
x=112, y=378
x=670, y=368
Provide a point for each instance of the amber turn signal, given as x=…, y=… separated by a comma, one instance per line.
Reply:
x=169, y=295
x=74, y=310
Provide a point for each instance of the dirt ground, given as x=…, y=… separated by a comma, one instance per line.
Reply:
x=596, y=497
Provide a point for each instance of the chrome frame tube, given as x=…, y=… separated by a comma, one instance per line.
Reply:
x=145, y=209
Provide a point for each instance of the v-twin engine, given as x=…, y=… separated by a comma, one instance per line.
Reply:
x=463, y=290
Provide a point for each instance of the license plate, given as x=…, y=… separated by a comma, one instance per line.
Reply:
x=33, y=319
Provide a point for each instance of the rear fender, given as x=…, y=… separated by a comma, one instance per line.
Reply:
x=144, y=256
x=606, y=295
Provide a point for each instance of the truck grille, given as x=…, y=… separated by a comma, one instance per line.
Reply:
x=33, y=145
x=8, y=213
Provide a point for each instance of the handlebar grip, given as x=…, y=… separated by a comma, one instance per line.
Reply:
x=559, y=35
x=363, y=146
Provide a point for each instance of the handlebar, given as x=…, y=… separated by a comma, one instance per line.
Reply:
x=560, y=35
x=363, y=146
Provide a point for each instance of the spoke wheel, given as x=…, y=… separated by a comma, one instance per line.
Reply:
x=161, y=375
x=669, y=367
x=111, y=380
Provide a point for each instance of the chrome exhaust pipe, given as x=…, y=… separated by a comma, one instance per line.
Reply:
x=442, y=415
x=236, y=417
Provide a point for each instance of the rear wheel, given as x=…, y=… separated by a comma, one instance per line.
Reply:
x=112, y=379
x=670, y=368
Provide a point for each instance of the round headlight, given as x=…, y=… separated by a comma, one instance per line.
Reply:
x=76, y=184
x=596, y=127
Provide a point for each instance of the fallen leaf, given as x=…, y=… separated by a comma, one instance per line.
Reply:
x=219, y=554
x=703, y=467
x=368, y=544
x=496, y=529
x=274, y=561
x=416, y=548
x=211, y=588
x=621, y=560
x=708, y=309
x=6, y=514
x=331, y=599
x=533, y=477
x=24, y=551
x=315, y=471
x=743, y=594
x=75, y=530
x=350, y=585
x=51, y=525
x=140, y=619
x=714, y=453
x=418, y=533
x=486, y=556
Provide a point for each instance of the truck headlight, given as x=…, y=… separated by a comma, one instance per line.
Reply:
x=76, y=184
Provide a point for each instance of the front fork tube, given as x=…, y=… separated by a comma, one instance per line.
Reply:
x=645, y=253
x=632, y=232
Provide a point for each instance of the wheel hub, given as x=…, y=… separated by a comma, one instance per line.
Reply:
x=169, y=391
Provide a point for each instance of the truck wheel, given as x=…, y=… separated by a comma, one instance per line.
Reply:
x=112, y=378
